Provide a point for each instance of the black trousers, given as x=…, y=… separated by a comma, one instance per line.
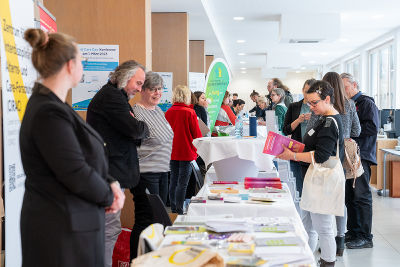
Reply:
x=143, y=215
x=359, y=204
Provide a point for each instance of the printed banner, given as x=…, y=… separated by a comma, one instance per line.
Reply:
x=217, y=82
x=18, y=77
x=197, y=80
x=98, y=61
x=166, y=97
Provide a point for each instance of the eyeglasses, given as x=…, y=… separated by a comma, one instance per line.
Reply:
x=313, y=103
x=273, y=95
x=154, y=89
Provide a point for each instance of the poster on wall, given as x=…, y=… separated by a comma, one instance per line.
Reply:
x=166, y=97
x=217, y=82
x=17, y=79
x=98, y=61
x=47, y=20
x=197, y=81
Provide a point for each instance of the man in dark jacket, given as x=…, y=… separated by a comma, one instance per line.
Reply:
x=110, y=114
x=359, y=198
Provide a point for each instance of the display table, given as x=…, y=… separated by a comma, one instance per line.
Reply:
x=233, y=158
x=386, y=152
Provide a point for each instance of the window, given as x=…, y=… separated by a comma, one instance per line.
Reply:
x=382, y=75
x=353, y=67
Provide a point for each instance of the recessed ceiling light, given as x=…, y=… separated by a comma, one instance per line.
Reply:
x=244, y=72
x=240, y=41
x=241, y=54
x=242, y=62
x=243, y=68
x=238, y=18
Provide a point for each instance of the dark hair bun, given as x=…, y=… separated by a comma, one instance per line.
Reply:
x=35, y=37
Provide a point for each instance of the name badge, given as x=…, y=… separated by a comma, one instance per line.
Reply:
x=311, y=132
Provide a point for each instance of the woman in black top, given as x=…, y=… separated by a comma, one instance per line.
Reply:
x=295, y=125
x=322, y=139
x=238, y=106
x=200, y=106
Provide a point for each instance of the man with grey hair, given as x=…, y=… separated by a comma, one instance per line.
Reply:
x=111, y=115
x=359, y=198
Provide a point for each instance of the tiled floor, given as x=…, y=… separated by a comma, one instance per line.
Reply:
x=386, y=231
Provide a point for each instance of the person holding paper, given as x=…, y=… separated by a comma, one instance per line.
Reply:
x=155, y=151
x=320, y=143
x=67, y=189
x=295, y=125
x=185, y=125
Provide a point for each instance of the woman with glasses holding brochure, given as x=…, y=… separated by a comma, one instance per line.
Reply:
x=322, y=143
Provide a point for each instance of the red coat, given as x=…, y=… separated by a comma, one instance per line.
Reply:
x=185, y=125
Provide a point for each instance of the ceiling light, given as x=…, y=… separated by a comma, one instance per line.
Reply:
x=242, y=62
x=244, y=72
x=238, y=18
x=243, y=68
x=241, y=54
x=240, y=41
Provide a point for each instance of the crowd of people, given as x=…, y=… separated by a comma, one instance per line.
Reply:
x=77, y=171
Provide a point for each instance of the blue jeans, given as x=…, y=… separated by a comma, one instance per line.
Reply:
x=180, y=175
x=156, y=183
x=296, y=169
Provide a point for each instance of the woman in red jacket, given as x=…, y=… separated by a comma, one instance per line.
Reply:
x=185, y=125
x=225, y=116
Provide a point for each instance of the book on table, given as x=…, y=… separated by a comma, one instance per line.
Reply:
x=274, y=142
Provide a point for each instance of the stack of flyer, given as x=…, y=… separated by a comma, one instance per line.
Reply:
x=260, y=182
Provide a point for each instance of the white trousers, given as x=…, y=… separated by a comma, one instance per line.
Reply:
x=320, y=225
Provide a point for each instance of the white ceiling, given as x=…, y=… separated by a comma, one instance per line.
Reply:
x=361, y=21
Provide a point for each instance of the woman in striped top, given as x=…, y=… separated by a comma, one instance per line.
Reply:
x=155, y=151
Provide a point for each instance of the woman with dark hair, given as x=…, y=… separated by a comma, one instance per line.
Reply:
x=278, y=98
x=225, y=115
x=351, y=128
x=320, y=144
x=238, y=106
x=295, y=124
x=200, y=106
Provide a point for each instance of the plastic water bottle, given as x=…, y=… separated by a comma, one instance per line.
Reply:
x=239, y=127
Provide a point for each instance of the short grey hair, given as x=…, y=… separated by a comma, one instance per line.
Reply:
x=124, y=72
x=350, y=77
x=280, y=92
x=153, y=79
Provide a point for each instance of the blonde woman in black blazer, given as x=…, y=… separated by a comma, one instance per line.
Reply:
x=67, y=188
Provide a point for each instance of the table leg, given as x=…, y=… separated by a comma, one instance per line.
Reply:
x=384, y=174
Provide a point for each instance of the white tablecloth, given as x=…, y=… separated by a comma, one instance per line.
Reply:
x=212, y=149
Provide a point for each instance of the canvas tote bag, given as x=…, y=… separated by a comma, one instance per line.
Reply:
x=324, y=185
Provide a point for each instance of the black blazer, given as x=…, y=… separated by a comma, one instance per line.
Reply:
x=66, y=186
x=110, y=114
x=292, y=114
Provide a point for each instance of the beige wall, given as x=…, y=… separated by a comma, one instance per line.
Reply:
x=196, y=56
x=295, y=81
x=170, y=45
x=209, y=59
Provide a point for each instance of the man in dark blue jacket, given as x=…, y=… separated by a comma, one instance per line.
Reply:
x=359, y=198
